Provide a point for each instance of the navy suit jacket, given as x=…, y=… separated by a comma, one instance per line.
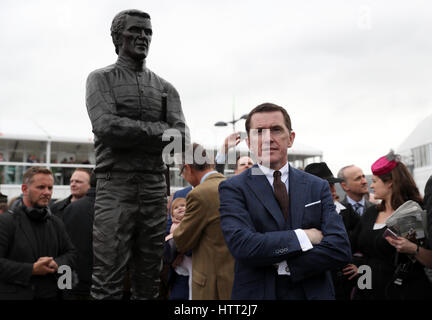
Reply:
x=258, y=236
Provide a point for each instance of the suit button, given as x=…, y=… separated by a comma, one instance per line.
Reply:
x=287, y=269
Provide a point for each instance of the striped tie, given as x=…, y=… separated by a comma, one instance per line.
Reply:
x=357, y=208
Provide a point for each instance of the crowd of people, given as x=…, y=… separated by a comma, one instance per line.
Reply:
x=270, y=232
x=201, y=246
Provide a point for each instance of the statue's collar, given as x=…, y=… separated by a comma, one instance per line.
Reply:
x=130, y=63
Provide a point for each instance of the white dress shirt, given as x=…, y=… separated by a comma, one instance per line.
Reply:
x=339, y=206
x=303, y=239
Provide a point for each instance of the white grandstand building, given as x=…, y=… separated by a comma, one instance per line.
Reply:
x=416, y=152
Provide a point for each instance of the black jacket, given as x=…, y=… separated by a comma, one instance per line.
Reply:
x=350, y=220
x=342, y=285
x=58, y=207
x=22, y=242
x=383, y=260
x=78, y=219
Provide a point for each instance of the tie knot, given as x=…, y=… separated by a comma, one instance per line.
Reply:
x=357, y=207
x=277, y=174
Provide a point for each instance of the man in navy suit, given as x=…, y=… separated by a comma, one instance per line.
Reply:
x=280, y=223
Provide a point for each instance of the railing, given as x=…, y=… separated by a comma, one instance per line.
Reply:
x=12, y=172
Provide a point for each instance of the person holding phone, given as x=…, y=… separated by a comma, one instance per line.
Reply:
x=397, y=264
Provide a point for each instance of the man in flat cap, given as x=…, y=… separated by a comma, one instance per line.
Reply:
x=130, y=108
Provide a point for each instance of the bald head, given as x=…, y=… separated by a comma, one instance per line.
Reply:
x=355, y=183
x=243, y=163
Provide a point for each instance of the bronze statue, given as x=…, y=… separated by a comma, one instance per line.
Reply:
x=130, y=107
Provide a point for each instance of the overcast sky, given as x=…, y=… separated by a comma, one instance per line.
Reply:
x=355, y=76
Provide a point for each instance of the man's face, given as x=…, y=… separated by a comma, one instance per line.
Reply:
x=243, y=163
x=38, y=193
x=79, y=184
x=355, y=181
x=269, y=139
x=136, y=37
x=189, y=175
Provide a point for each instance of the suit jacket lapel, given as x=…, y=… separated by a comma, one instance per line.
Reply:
x=264, y=192
x=28, y=232
x=297, y=192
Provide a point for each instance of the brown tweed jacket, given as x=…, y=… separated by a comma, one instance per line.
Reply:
x=200, y=230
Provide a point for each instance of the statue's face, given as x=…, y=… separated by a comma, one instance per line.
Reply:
x=136, y=37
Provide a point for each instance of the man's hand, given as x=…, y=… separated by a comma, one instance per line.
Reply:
x=231, y=141
x=315, y=236
x=44, y=265
x=53, y=265
x=178, y=260
x=350, y=270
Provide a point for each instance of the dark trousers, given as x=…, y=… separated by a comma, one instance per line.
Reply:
x=288, y=290
x=128, y=231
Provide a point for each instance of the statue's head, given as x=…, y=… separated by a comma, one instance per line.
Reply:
x=131, y=32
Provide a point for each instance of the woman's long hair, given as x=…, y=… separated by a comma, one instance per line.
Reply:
x=403, y=187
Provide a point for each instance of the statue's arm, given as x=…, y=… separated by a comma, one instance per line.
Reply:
x=111, y=129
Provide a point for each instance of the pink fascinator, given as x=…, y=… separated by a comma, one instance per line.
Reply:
x=385, y=164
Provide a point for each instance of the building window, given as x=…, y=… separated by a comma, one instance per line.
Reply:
x=422, y=155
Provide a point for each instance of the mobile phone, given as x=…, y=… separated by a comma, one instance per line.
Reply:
x=389, y=233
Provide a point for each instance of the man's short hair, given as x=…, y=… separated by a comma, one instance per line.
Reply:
x=32, y=171
x=268, y=107
x=200, y=161
x=85, y=171
x=341, y=173
x=119, y=22
x=3, y=198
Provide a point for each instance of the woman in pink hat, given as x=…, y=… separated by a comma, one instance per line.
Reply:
x=396, y=264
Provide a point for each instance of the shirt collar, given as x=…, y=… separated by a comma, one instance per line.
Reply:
x=339, y=206
x=352, y=202
x=269, y=173
x=207, y=174
x=129, y=63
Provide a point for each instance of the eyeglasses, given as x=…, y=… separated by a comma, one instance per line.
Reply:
x=181, y=170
